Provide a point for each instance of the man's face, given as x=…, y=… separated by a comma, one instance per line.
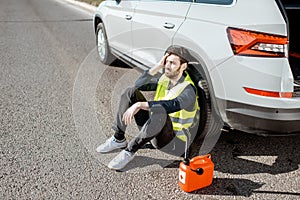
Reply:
x=173, y=67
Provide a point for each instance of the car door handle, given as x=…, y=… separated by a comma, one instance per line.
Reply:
x=128, y=17
x=169, y=25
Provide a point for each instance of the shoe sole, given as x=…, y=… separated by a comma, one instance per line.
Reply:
x=112, y=149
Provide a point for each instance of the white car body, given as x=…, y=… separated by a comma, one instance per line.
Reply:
x=139, y=32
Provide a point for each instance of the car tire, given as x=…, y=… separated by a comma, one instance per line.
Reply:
x=210, y=124
x=105, y=55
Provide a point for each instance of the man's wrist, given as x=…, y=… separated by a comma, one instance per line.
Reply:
x=144, y=105
x=139, y=105
x=155, y=69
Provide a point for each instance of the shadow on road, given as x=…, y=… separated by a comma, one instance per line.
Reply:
x=236, y=187
x=120, y=64
x=242, y=153
x=230, y=187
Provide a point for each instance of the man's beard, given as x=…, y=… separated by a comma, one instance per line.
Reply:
x=172, y=74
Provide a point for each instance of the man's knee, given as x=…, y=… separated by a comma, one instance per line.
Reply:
x=133, y=95
x=128, y=93
x=158, y=110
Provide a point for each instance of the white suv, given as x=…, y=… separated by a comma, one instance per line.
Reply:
x=245, y=54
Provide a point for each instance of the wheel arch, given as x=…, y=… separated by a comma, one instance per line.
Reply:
x=210, y=122
x=199, y=72
x=97, y=20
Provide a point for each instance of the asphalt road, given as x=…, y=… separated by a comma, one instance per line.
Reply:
x=57, y=102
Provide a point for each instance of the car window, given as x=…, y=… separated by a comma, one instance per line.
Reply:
x=221, y=2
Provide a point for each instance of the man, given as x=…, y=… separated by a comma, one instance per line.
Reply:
x=161, y=121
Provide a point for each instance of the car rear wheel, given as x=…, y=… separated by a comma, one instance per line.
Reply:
x=210, y=124
x=102, y=45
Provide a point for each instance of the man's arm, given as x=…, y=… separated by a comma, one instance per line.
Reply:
x=186, y=100
x=132, y=110
x=147, y=81
x=159, y=66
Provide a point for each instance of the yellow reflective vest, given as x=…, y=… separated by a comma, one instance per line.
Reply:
x=181, y=119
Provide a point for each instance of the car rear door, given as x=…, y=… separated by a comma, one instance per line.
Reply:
x=118, y=25
x=154, y=24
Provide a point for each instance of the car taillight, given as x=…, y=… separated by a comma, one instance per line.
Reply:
x=269, y=93
x=252, y=43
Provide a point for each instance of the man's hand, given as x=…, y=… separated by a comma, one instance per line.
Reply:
x=159, y=65
x=132, y=110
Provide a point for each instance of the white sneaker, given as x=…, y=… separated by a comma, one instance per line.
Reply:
x=121, y=160
x=111, y=144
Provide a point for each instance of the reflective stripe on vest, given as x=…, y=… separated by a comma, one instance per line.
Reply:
x=182, y=119
x=181, y=135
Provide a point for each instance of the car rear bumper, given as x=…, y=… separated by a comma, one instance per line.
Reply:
x=262, y=120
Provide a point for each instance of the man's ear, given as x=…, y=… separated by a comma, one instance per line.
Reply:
x=184, y=66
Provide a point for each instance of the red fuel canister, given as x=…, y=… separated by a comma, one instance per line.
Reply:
x=196, y=173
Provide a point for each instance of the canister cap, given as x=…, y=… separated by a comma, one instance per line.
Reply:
x=200, y=161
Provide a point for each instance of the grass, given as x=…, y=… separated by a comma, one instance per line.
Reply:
x=92, y=2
